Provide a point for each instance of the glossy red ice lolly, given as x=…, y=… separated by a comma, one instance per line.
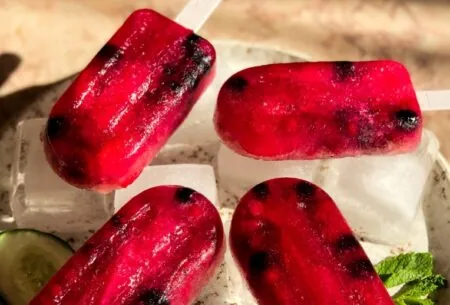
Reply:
x=294, y=247
x=126, y=103
x=319, y=110
x=159, y=249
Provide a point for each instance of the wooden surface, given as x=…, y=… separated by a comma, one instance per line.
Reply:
x=55, y=38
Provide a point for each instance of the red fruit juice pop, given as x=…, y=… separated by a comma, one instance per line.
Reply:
x=319, y=110
x=294, y=247
x=130, y=98
x=161, y=248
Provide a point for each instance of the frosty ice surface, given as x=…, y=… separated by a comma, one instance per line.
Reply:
x=198, y=177
x=238, y=173
x=42, y=200
x=380, y=195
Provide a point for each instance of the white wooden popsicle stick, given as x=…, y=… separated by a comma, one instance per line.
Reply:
x=434, y=100
x=196, y=12
x=193, y=16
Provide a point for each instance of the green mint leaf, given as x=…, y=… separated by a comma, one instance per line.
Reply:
x=404, y=268
x=421, y=288
x=399, y=302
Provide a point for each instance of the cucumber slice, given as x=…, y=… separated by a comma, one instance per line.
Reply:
x=29, y=258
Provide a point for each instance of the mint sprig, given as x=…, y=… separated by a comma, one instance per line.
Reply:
x=405, y=268
x=415, y=270
x=422, y=288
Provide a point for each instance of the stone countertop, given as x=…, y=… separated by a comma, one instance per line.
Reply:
x=46, y=40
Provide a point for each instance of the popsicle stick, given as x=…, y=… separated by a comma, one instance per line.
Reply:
x=434, y=100
x=193, y=16
x=196, y=12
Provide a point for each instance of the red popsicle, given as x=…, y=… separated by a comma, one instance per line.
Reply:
x=294, y=248
x=161, y=248
x=126, y=103
x=319, y=110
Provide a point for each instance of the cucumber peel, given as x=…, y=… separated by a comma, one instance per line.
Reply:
x=29, y=258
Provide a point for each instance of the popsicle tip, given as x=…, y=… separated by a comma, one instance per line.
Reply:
x=236, y=83
x=143, y=11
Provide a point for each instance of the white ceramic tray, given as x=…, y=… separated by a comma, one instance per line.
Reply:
x=196, y=142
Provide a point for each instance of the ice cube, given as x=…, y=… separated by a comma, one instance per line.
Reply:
x=196, y=176
x=203, y=153
x=40, y=199
x=380, y=195
x=237, y=174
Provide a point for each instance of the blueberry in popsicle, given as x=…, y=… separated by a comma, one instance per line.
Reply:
x=160, y=248
x=294, y=247
x=126, y=103
x=319, y=110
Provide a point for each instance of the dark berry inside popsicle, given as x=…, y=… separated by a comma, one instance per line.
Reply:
x=294, y=247
x=319, y=110
x=161, y=248
x=127, y=102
